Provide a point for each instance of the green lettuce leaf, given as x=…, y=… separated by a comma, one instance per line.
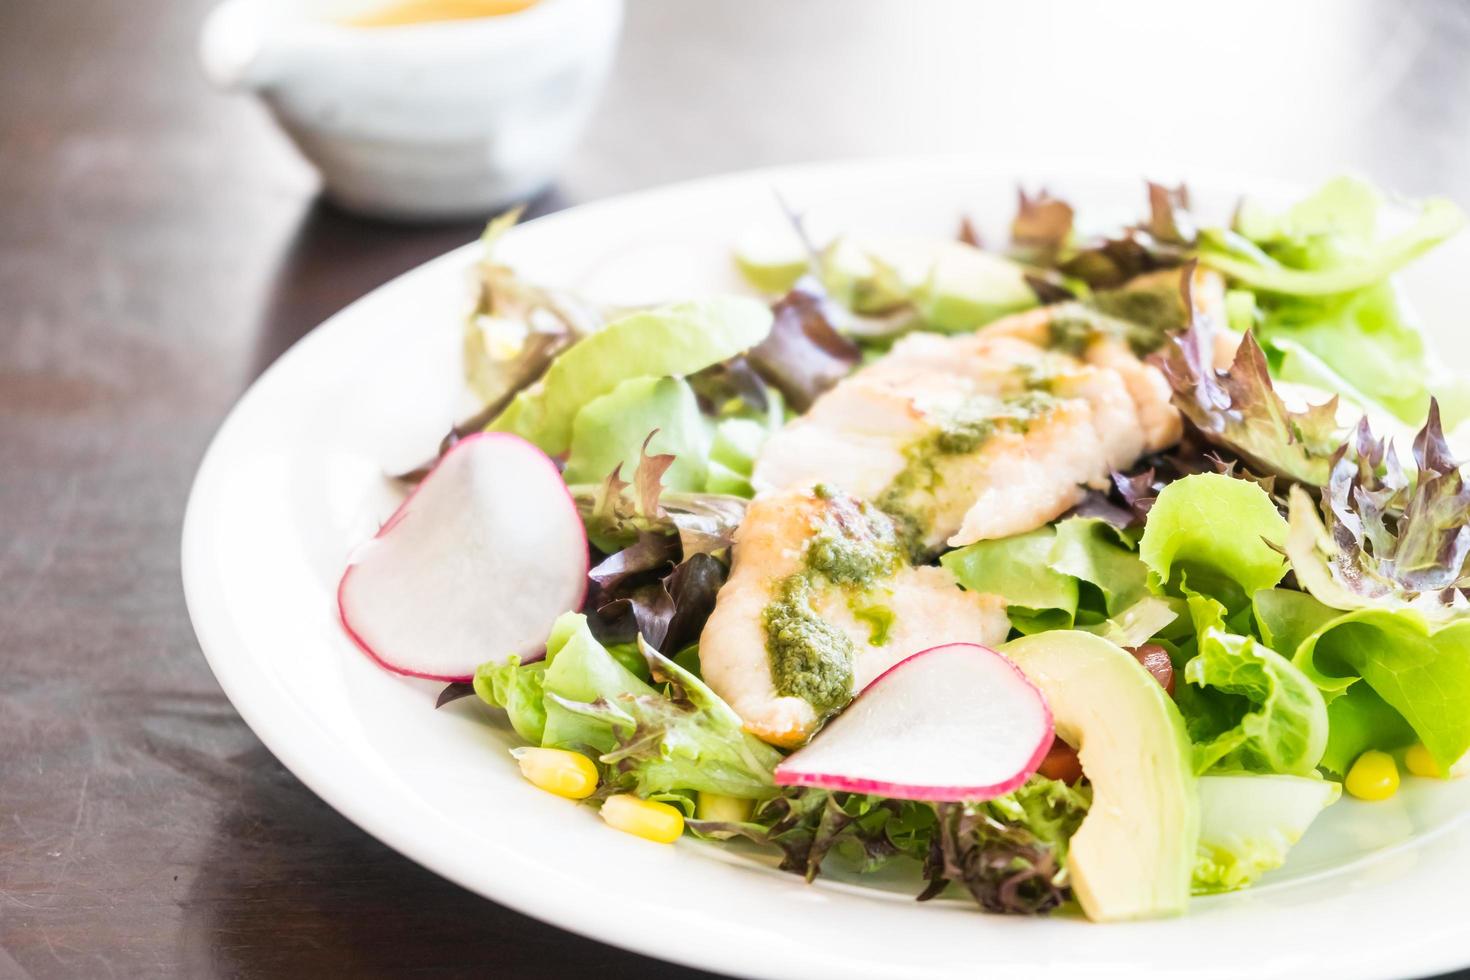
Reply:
x=1038, y=597
x=1359, y=720
x=1419, y=669
x=587, y=669
x=1092, y=551
x=672, y=340
x=1245, y=706
x=1248, y=824
x=653, y=415
x=1325, y=244
x=1286, y=617
x=684, y=738
x=672, y=736
x=1214, y=535
x=1324, y=304
x=518, y=688
x=1044, y=574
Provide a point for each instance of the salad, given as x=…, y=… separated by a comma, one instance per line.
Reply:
x=1079, y=572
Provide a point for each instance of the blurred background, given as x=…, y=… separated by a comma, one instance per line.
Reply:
x=161, y=242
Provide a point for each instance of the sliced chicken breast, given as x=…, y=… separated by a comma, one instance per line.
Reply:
x=978, y=435
x=820, y=601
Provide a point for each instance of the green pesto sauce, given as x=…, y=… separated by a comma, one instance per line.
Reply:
x=854, y=548
x=959, y=433
x=1140, y=317
x=810, y=658
x=1150, y=313
x=1072, y=330
x=878, y=619
x=854, y=544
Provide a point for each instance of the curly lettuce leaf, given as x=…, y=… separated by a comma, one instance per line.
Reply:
x=1246, y=707
x=684, y=738
x=586, y=669
x=1381, y=540
x=674, y=340
x=1240, y=409
x=616, y=511
x=671, y=736
x=1248, y=823
x=1042, y=234
x=1214, y=535
x=808, y=824
x=1009, y=853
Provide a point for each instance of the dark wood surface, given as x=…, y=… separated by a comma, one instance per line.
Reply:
x=160, y=244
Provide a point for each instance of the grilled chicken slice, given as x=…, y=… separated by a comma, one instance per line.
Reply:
x=820, y=601
x=976, y=436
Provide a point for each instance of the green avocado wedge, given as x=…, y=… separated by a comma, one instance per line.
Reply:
x=671, y=340
x=1134, y=855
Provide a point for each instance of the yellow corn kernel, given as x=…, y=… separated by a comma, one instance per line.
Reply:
x=722, y=808
x=569, y=774
x=1373, y=777
x=648, y=819
x=1418, y=761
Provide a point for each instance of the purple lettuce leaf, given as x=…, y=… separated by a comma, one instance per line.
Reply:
x=804, y=354
x=1239, y=409
x=1380, y=538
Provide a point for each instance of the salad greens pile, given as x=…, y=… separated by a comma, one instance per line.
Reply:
x=1304, y=579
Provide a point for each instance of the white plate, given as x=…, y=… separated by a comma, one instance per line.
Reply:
x=293, y=481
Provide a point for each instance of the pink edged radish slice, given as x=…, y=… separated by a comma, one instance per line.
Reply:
x=957, y=722
x=475, y=565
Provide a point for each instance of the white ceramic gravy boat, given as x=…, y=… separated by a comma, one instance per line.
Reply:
x=430, y=120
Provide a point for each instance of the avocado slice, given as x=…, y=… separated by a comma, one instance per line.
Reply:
x=771, y=258
x=1134, y=854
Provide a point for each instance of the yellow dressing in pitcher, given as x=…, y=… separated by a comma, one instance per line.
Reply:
x=422, y=11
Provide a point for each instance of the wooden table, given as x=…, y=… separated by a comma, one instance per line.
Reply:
x=160, y=245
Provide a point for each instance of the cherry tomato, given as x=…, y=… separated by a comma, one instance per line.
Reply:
x=1061, y=763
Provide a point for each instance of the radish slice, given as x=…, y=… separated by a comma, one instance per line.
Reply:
x=475, y=565
x=956, y=722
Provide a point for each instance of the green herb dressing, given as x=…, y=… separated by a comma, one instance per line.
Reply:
x=908, y=499
x=854, y=550
x=1141, y=318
